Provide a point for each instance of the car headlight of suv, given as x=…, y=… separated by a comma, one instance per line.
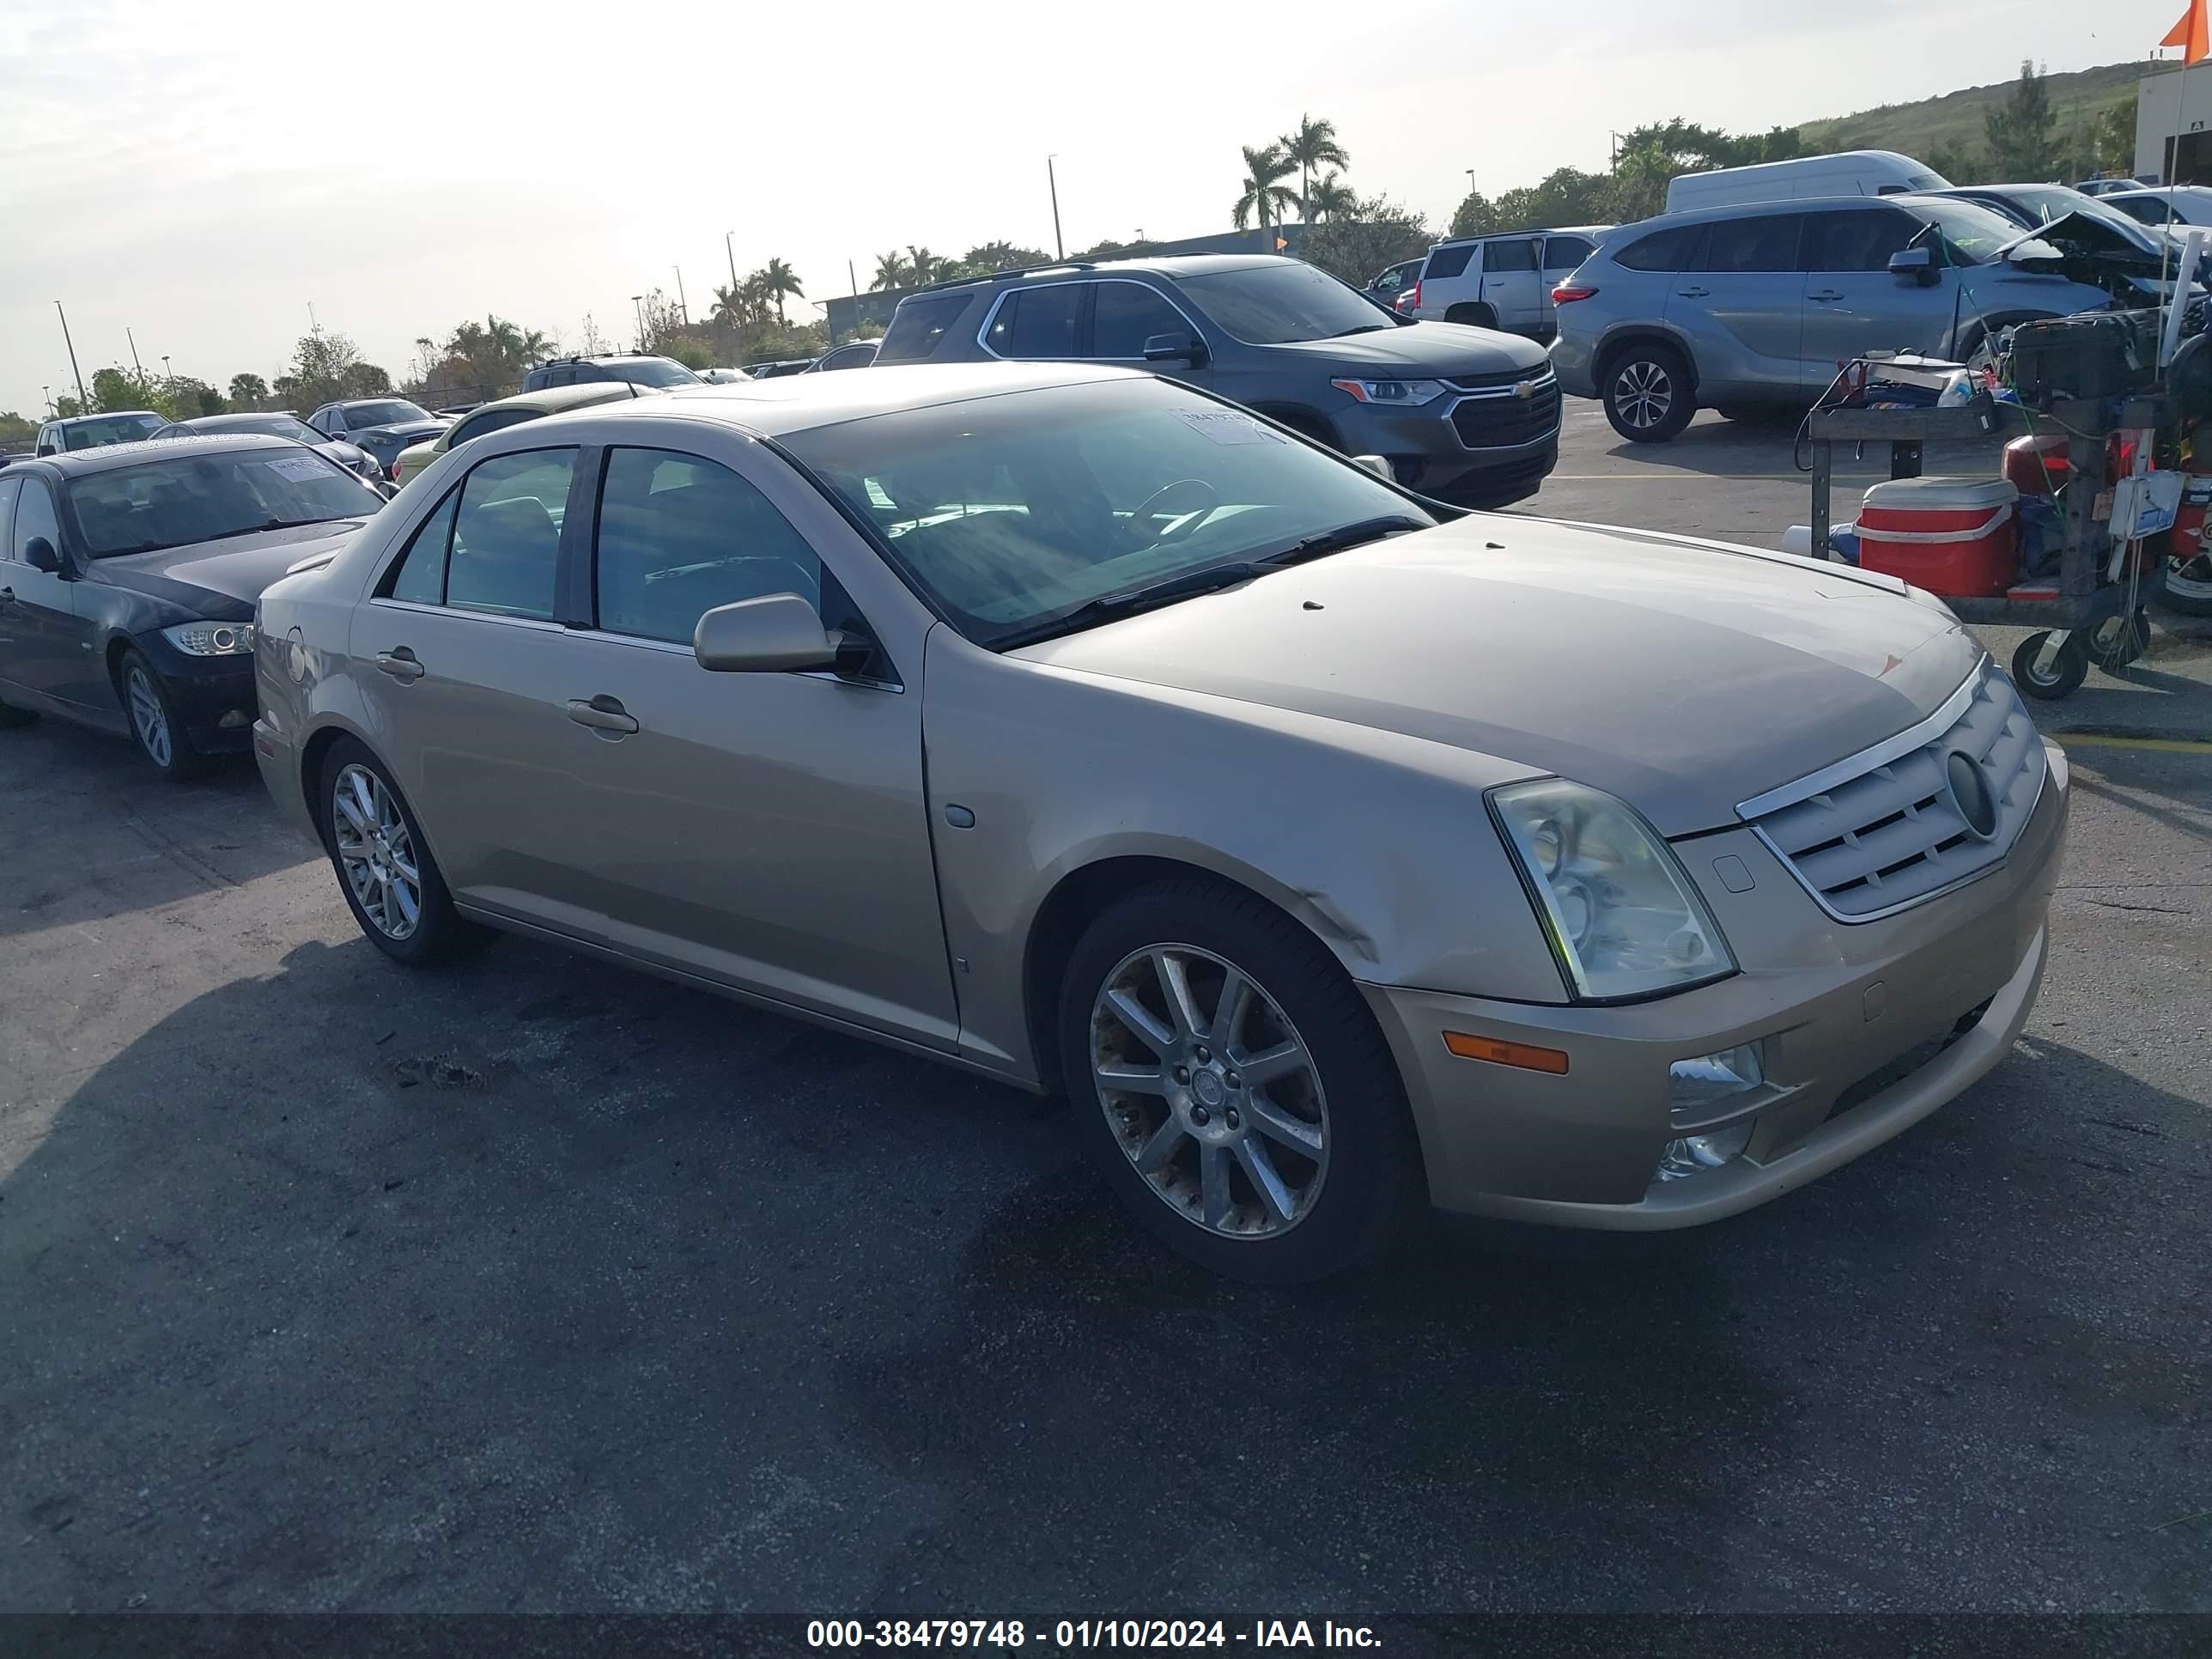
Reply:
x=1622, y=917
x=211, y=639
x=1396, y=394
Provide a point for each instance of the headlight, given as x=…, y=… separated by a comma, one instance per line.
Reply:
x=211, y=639
x=1623, y=919
x=1400, y=394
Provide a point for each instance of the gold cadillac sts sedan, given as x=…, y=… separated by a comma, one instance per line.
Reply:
x=1334, y=851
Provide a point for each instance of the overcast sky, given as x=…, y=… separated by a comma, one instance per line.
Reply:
x=200, y=173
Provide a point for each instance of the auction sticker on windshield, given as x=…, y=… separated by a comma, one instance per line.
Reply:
x=299, y=468
x=1227, y=427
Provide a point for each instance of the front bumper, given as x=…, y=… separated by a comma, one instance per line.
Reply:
x=214, y=695
x=1427, y=451
x=1839, y=1009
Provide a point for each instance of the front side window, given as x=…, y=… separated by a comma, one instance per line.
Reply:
x=34, y=517
x=680, y=535
x=506, y=534
x=1015, y=510
x=1857, y=240
x=1124, y=315
x=188, y=498
x=1768, y=242
x=1972, y=234
x=7, y=489
x=1038, y=322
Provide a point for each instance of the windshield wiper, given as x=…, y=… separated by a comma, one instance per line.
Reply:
x=266, y=523
x=1342, y=537
x=1206, y=579
x=1365, y=328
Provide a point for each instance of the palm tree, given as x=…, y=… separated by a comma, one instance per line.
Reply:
x=779, y=279
x=1329, y=198
x=1265, y=169
x=729, y=306
x=248, y=390
x=925, y=267
x=892, y=271
x=1310, y=148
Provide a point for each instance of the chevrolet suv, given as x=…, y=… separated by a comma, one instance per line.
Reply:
x=1465, y=414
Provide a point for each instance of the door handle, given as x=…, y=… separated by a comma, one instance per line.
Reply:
x=1826, y=294
x=1695, y=293
x=400, y=664
x=602, y=714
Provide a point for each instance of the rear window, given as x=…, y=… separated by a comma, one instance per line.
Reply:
x=918, y=325
x=1564, y=253
x=1679, y=247
x=1447, y=262
x=111, y=429
x=652, y=371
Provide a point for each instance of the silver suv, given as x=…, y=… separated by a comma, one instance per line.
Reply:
x=1501, y=281
x=1754, y=306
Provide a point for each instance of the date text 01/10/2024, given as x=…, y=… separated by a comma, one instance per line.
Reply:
x=1081, y=1633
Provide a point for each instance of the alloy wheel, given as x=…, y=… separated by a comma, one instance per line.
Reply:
x=1644, y=392
x=148, y=719
x=376, y=852
x=1210, y=1091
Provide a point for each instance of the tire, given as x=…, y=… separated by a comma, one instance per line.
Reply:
x=1337, y=1092
x=11, y=717
x=155, y=725
x=1647, y=393
x=1971, y=343
x=2066, y=674
x=2118, y=641
x=1474, y=316
x=2189, y=586
x=374, y=885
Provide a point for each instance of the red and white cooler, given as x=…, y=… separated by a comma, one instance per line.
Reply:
x=1954, y=537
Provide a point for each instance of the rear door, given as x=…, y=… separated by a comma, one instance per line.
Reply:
x=1047, y=321
x=1511, y=283
x=1561, y=255
x=1744, y=314
x=1853, y=304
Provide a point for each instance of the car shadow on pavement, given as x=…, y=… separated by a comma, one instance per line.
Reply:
x=538, y=1284
x=191, y=838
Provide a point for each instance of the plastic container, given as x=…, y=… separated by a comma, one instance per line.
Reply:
x=2037, y=466
x=1954, y=537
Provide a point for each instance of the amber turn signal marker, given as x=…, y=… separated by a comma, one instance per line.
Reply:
x=1526, y=1055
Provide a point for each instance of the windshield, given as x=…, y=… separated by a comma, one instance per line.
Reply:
x=2055, y=202
x=1280, y=302
x=398, y=412
x=655, y=371
x=204, y=498
x=1972, y=234
x=1012, y=510
x=111, y=429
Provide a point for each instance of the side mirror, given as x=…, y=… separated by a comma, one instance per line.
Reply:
x=38, y=553
x=1174, y=349
x=1914, y=264
x=1378, y=464
x=769, y=636
x=46, y=449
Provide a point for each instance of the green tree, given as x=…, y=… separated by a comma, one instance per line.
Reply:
x=1329, y=198
x=1368, y=235
x=892, y=271
x=14, y=429
x=734, y=308
x=1474, y=216
x=2022, y=131
x=1003, y=256
x=487, y=359
x=923, y=267
x=1955, y=161
x=1264, y=194
x=113, y=390
x=1565, y=196
x=779, y=281
x=2112, y=138
x=325, y=367
x=1640, y=176
x=1110, y=249
x=1310, y=147
x=248, y=390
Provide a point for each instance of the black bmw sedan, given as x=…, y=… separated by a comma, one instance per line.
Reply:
x=128, y=575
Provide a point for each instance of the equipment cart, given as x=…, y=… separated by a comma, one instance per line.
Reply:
x=2090, y=611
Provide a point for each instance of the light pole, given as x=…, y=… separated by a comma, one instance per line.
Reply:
x=165, y=374
x=83, y=403
x=733, y=257
x=47, y=393
x=682, y=305
x=138, y=366
x=1051, y=179
x=638, y=300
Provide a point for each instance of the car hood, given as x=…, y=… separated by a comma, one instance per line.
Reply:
x=403, y=432
x=1444, y=349
x=236, y=568
x=1682, y=677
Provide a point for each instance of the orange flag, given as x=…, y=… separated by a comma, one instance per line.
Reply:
x=2190, y=34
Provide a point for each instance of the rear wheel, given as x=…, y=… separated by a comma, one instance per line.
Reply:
x=1647, y=393
x=391, y=882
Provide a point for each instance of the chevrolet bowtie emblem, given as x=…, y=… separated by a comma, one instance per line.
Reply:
x=1526, y=389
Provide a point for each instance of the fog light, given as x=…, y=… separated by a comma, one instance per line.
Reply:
x=1703, y=1081
x=233, y=720
x=1695, y=1154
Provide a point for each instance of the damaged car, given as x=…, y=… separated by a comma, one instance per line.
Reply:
x=1751, y=308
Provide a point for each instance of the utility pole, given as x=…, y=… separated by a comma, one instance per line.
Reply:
x=313, y=327
x=1051, y=179
x=682, y=305
x=638, y=300
x=83, y=403
x=47, y=393
x=166, y=374
x=731, y=252
x=138, y=366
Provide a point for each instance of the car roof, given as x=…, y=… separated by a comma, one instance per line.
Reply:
x=101, y=457
x=105, y=415
x=551, y=399
x=1782, y=204
x=798, y=403
x=229, y=422
x=1532, y=230
x=1165, y=264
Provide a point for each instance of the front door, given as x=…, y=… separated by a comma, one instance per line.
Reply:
x=1744, y=314
x=41, y=636
x=1511, y=283
x=1125, y=313
x=1853, y=304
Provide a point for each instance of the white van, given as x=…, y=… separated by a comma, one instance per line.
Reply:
x=1849, y=172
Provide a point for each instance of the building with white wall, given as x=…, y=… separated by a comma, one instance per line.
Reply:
x=2174, y=102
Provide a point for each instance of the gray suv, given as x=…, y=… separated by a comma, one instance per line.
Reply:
x=1743, y=307
x=1464, y=415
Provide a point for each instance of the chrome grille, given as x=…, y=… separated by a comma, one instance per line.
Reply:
x=1873, y=836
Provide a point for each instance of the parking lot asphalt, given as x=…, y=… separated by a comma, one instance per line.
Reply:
x=536, y=1286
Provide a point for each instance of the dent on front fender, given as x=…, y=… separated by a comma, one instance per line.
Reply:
x=1379, y=844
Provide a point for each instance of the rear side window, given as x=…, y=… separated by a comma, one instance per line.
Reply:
x=1510, y=256
x=506, y=534
x=1447, y=262
x=1038, y=322
x=1855, y=241
x=680, y=535
x=1563, y=253
x=1680, y=248
x=919, y=324
x=1767, y=243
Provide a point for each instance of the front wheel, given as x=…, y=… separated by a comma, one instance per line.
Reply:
x=1233, y=1087
x=155, y=723
x=1646, y=390
x=2060, y=676
x=391, y=882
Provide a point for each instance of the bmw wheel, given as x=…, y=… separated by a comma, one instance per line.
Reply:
x=156, y=722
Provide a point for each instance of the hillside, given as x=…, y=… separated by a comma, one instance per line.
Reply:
x=1955, y=121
